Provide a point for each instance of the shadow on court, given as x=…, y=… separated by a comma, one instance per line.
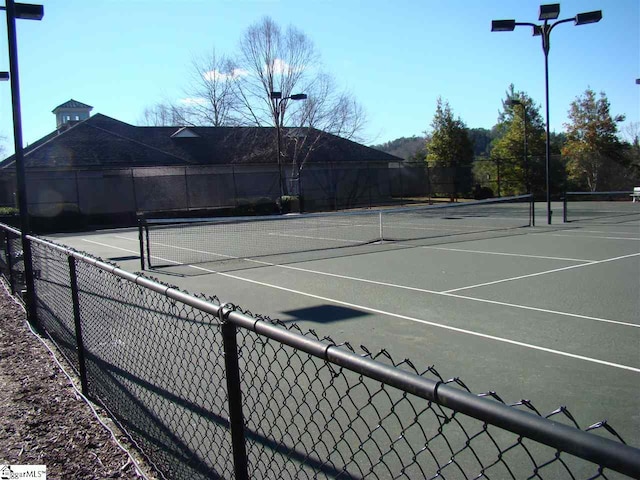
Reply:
x=324, y=314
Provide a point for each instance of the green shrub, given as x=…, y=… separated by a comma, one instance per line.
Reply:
x=8, y=211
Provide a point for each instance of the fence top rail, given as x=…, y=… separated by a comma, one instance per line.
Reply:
x=10, y=229
x=588, y=446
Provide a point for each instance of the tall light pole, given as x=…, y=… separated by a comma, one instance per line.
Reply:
x=277, y=99
x=28, y=12
x=513, y=102
x=547, y=12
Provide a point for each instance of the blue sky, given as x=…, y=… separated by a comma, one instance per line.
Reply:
x=395, y=56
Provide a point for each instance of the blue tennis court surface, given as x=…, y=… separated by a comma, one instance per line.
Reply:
x=548, y=314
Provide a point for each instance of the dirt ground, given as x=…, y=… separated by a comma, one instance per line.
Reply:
x=42, y=420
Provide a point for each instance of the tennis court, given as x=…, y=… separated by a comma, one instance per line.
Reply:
x=548, y=313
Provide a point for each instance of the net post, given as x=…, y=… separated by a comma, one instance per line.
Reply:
x=73, y=276
x=564, y=207
x=234, y=394
x=141, y=242
x=380, y=224
x=532, y=211
x=146, y=233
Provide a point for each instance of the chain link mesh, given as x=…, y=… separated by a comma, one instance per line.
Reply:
x=158, y=366
x=53, y=299
x=307, y=418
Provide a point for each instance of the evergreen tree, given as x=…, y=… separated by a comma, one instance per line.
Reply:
x=516, y=173
x=449, y=152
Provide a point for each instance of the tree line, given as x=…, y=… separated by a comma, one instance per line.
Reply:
x=588, y=156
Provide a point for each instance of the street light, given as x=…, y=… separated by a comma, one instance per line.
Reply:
x=512, y=102
x=28, y=12
x=277, y=110
x=547, y=12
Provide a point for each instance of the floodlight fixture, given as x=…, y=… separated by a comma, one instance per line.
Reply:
x=298, y=96
x=589, y=17
x=637, y=81
x=275, y=95
x=28, y=11
x=503, y=25
x=549, y=12
x=4, y=76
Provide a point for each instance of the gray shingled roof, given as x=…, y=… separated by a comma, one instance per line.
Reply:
x=72, y=104
x=103, y=142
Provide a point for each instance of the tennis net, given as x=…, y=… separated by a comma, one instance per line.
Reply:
x=600, y=207
x=197, y=240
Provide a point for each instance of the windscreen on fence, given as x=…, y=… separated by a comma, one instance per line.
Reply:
x=188, y=241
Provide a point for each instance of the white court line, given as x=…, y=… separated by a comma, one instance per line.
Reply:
x=579, y=230
x=585, y=236
x=412, y=319
x=503, y=254
x=309, y=237
x=385, y=284
x=541, y=273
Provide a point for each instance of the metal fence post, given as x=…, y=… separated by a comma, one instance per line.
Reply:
x=236, y=417
x=12, y=284
x=564, y=206
x=73, y=277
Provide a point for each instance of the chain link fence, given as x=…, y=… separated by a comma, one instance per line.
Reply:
x=207, y=390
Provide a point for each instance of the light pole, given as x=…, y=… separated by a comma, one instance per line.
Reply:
x=513, y=102
x=28, y=12
x=277, y=99
x=547, y=12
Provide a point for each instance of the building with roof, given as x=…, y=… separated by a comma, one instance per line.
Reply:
x=97, y=165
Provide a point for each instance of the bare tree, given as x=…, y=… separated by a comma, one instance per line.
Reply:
x=631, y=133
x=211, y=94
x=3, y=148
x=236, y=91
x=163, y=115
x=274, y=60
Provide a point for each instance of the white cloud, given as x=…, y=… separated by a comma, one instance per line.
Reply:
x=217, y=76
x=281, y=67
x=192, y=101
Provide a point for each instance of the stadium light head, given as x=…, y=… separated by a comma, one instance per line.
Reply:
x=503, y=25
x=549, y=12
x=275, y=95
x=28, y=11
x=589, y=17
x=4, y=76
x=298, y=96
